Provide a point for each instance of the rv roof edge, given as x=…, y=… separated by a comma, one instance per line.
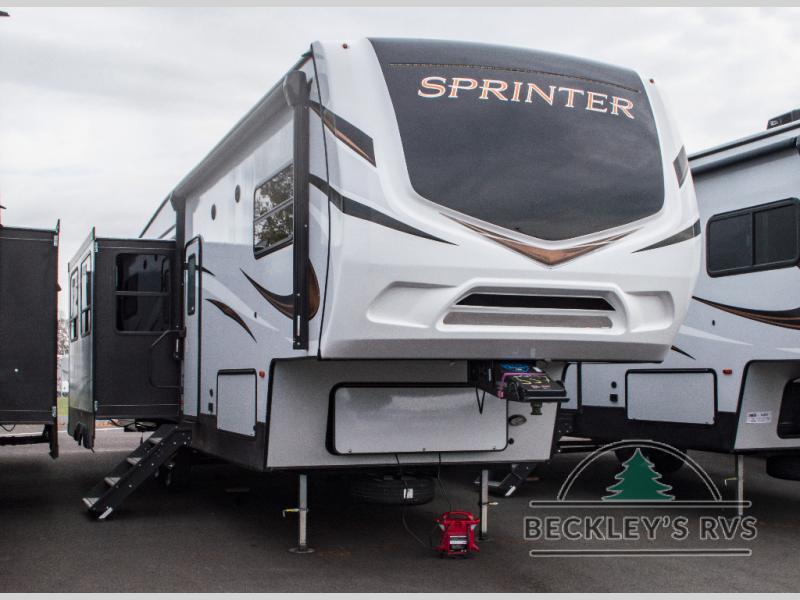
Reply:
x=748, y=139
x=269, y=103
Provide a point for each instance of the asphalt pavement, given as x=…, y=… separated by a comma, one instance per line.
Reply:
x=226, y=533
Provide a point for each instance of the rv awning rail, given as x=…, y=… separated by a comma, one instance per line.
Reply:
x=270, y=103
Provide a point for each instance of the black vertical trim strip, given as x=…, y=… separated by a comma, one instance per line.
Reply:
x=324, y=298
x=296, y=90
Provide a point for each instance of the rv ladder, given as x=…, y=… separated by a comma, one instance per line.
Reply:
x=138, y=467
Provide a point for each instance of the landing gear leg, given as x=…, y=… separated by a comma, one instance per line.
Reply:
x=302, y=517
x=740, y=483
x=484, y=504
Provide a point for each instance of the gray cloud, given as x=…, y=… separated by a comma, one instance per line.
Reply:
x=102, y=111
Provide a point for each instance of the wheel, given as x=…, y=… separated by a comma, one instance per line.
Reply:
x=662, y=462
x=410, y=491
x=784, y=467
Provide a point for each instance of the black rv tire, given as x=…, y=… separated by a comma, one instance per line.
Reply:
x=663, y=463
x=784, y=467
x=390, y=491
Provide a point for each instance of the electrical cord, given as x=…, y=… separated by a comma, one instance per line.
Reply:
x=9, y=430
x=403, y=511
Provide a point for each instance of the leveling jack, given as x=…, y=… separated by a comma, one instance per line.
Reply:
x=302, y=521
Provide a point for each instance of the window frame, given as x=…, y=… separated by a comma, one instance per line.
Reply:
x=752, y=211
x=85, y=294
x=274, y=210
x=74, y=303
x=120, y=294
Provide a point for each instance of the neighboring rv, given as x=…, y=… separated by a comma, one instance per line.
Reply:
x=732, y=380
x=28, y=335
x=381, y=263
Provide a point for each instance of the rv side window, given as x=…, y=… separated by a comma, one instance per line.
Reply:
x=142, y=293
x=775, y=232
x=273, y=212
x=73, y=305
x=755, y=239
x=191, y=284
x=86, y=296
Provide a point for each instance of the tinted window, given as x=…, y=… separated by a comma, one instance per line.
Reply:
x=757, y=238
x=776, y=234
x=547, y=145
x=142, y=273
x=86, y=296
x=273, y=212
x=142, y=292
x=731, y=243
x=73, y=305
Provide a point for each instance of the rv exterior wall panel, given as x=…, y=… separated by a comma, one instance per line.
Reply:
x=300, y=433
x=28, y=325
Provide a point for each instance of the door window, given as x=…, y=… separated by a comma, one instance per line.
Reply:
x=86, y=296
x=142, y=293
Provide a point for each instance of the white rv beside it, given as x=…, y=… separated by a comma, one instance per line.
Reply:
x=386, y=257
x=731, y=382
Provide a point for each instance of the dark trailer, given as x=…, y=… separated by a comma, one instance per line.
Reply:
x=28, y=335
x=122, y=334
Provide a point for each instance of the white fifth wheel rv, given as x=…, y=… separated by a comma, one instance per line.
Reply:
x=28, y=335
x=732, y=380
x=384, y=258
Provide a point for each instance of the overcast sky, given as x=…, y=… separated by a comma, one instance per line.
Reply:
x=103, y=111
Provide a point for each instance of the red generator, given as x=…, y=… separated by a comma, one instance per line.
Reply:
x=458, y=534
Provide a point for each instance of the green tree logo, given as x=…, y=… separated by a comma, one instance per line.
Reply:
x=638, y=480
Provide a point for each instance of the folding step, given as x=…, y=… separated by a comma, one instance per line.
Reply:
x=137, y=468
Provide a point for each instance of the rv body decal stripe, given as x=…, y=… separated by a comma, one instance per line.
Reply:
x=352, y=136
x=549, y=257
x=284, y=303
x=681, y=166
x=679, y=351
x=690, y=232
x=229, y=312
x=789, y=319
x=350, y=207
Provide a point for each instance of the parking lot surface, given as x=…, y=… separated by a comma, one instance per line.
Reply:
x=226, y=533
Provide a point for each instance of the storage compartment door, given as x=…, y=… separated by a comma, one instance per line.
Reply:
x=672, y=396
x=371, y=419
x=236, y=401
